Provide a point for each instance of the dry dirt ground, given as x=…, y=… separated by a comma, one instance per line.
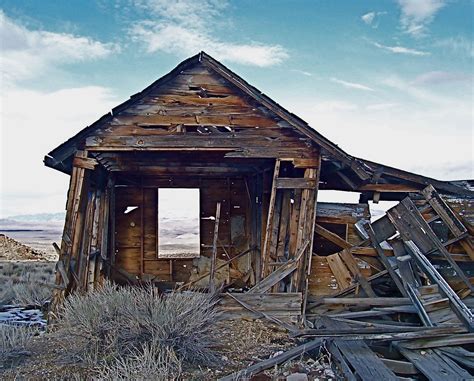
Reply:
x=241, y=343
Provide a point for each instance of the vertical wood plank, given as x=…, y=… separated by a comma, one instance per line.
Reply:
x=268, y=229
x=212, y=272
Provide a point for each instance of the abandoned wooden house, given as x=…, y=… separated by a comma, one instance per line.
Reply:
x=200, y=180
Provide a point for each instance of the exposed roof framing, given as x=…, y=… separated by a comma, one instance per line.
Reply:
x=364, y=170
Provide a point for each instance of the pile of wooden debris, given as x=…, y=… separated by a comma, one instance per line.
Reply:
x=410, y=316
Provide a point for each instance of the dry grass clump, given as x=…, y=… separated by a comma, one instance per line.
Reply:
x=150, y=363
x=26, y=283
x=14, y=341
x=136, y=331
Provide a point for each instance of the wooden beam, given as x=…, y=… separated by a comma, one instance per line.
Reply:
x=283, y=271
x=332, y=237
x=395, y=277
x=212, y=271
x=457, y=305
x=395, y=188
x=296, y=183
x=352, y=265
x=444, y=211
x=276, y=360
x=85, y=162
x=268, y=229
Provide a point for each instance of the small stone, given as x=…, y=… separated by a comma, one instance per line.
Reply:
x=297, y=377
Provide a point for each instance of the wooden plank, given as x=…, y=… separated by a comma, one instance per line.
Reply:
x=296, y=183
x=269, y=317
x=460, y=355
x=284, y=223
x=444, y=211
x=353, y=267
x=332, y=237
x=268, y=229
x=279, y=274
x=212, y=271
x=302, y=229
x=434, y=366
x=440, y=342
x=369, y=251
x=457, y=305
x=313, y=173
x=76, y=192
x=424, y=317
x=276, y=360
x=402, y=188
x=400, y=367
x=384, y=260
x=340, y=271
x=412, y=226
x=367, y=365
x=85, y=162
x=341, y=362
x=381, y=301
x=383, y=334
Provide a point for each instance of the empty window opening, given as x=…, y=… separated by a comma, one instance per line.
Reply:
x=178, y=223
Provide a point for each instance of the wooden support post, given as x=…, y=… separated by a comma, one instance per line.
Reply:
x=385, y=261
x=212, y=272
x=71, y=234
x=313, y=173
x=268, y=229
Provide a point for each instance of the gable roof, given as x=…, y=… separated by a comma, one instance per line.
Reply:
x=61, y=156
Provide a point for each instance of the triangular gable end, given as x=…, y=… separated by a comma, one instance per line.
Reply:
x=60, y=157
x=366, y=172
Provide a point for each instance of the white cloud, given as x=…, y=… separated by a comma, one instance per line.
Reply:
x=398, y=133
x=458, y=45
x=439, y=77
x=352, y=85
x=372, y=18
x=26, y=53
x=401, y=50
x=302, y=72
x=186, y=27
x=368, y=18
x=33, y=123
x=416, y=15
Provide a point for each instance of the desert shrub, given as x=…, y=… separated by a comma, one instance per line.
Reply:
x=149, y=363
x=30, y=292
x=123, y=327
x=7, y=293
x=26, y=283
x=14, y=341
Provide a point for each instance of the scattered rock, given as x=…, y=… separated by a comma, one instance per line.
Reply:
x=12, y=250
x=297, y=377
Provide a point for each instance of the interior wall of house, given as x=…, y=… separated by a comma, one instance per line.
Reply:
x=136, y=248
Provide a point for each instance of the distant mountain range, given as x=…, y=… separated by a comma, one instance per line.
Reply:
x=39, y=217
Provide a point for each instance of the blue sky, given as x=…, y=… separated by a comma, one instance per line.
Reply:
x=390, y=81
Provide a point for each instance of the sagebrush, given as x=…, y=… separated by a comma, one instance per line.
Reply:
x=26, y=283
x=14, y=342
x=124, y=328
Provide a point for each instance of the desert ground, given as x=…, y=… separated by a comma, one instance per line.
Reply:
x=205, y=346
